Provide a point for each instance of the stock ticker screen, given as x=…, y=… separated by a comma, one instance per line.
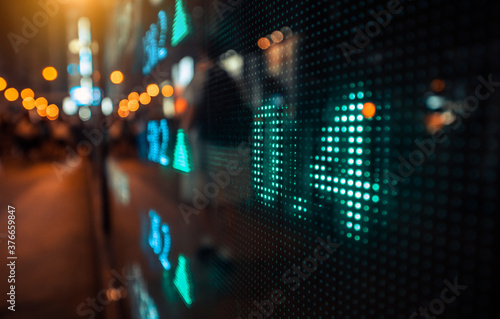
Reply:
x=342, y=162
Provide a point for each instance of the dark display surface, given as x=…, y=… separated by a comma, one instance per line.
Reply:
x=341, y=162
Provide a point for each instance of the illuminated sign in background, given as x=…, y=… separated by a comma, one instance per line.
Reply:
x=339, y=170
x=182, y=280
x=268, y=167
x=181, y=27
x=158, y=138
x=182, y=154
x=154, y=43
x=155, y=40
x=159, y=239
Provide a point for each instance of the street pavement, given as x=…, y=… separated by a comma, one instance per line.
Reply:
x=56, y=269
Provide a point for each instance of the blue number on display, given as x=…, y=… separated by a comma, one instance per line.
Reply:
x=154, y=43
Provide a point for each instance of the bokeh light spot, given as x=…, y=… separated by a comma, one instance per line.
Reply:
x=438, y=85
x=180, y=106
x=133, y=105
x=3, y=84
x=29, y=103
x=11, y=94
x=167, y=91
x=145, y=98
x=116, y=77
x=153, y=90
x=264, y=43
x=123, y=113
x=133, y=96
x=41, y=103
x=369, y=110
x=52, y=110
x=49, y=73
x=27, y=93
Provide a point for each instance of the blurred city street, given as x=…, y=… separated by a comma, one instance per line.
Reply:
x=56, y=269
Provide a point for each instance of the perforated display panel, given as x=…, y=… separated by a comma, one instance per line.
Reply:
x=356, y=156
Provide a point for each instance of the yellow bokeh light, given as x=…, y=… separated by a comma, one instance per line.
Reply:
x=52, y=110
x=3, y=84
x=11, y=94
x=49, y=73
x=116, y=77
x=27, y=93
x=29, y=103
x=133, y=105
x=153, y=90
x=41, y=103
x=167, y=91
x=133, y=96
x=123, y=113
x=145, y=98
x=369, y=110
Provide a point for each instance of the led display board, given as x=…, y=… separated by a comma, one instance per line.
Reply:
x=343, y=164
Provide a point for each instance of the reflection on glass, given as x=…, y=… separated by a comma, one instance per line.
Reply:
x=182, y=157
x=154, y=234
x=182, y=280
x=166, y=247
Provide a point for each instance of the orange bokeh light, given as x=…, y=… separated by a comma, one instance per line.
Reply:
x=264, y=43
x=29, y=103
x=27, y=93
x=3, y=84
x=41, y=103
x=42, y=112
x=133, y=105
x=145, y=98
x=133, y=96
x=49, y=73
x=438, y=85
x=434, y=122
x=116, y=77
x=277, y=36
x=369, y=110
x=52, y=110
x=180, y=105
x=153, y=90
x=123, y=113
x=11, y=94
x=123, y=104
x=167, y=91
